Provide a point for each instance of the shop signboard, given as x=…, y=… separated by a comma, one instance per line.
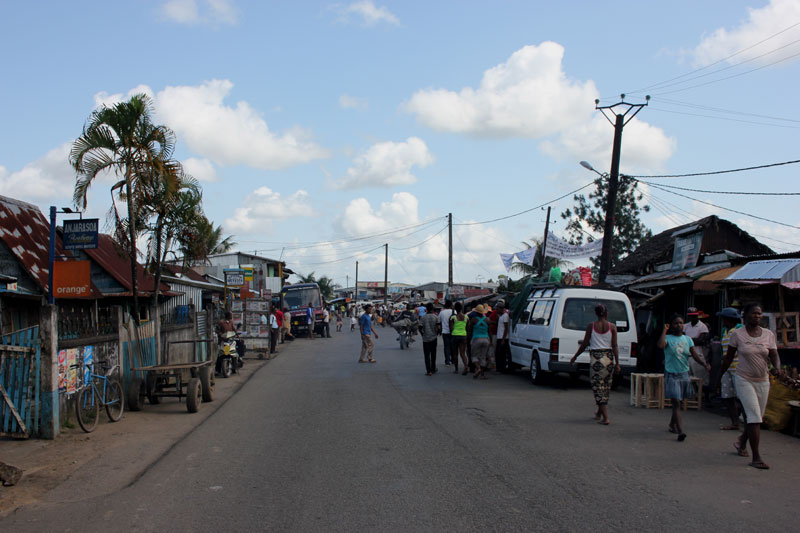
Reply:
x=234, y=277
x=72, y=279
x=687, y=251
x=80, y=234
x=248, y=272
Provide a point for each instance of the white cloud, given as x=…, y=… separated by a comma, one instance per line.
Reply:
x=760, y=24
x=201, y=169
x=527, y=96
x=46, y=178
x=226, y=135
x=231, y=135
x=645, y=148
x=369, y=13
x=360, y=218
x=387, y=164
x=193, y=12
x=351, y=102
x=264, y=205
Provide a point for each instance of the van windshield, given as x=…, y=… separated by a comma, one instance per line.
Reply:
x=300, y=297
x=579, y=313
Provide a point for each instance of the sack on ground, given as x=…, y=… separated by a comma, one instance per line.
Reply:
x=778, y=411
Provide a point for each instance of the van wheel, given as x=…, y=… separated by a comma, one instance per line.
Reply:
x=537, y=376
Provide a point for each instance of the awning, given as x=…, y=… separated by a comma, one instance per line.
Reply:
x=783, y=271
x=676, y=277
x=711, y=281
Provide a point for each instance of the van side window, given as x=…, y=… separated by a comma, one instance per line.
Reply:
x=579, y=312
x=523, y=319
x=541, y=312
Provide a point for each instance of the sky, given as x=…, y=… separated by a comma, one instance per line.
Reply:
x=320, y=131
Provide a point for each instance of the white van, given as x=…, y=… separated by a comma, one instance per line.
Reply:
x=553, y=324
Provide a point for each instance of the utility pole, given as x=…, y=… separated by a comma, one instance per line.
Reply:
x=355, y=292
x=386, y=277
x=449, y=252
x=619, y=123
x=544, y=242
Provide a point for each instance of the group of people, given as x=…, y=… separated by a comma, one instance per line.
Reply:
x=749, y=350
x=475, y=337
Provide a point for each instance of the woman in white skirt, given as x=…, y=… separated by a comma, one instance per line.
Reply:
x=757, y=349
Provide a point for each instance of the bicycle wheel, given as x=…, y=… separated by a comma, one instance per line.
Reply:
x=87, y=408
x=114, y=401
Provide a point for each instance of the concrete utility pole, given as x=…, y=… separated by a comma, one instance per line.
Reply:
x=544, y=242
x=613, y=180
x=449, y=251
x=355, y=292
x=386, y=277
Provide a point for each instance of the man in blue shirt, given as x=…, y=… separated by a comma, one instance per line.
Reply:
x=310, y=319
x=367, y=346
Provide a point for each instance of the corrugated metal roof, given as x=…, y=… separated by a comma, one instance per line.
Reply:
x=26, y=232
x=108, y=256
x=783, y=270
x=674, y=277
x=719, y=274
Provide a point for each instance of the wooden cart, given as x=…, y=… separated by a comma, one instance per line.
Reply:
x=193, y=381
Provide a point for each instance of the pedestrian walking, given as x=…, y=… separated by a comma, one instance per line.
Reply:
x=677, y=387
x=310, y=320
x=479, y=326
x=499, y=322
x=601, y=339
x=697, y=330
x=757, y=349
x=286, y=325
x=367, y=345
x=274, y=332
x=339, y=321
x=726, y=381
x=279, y=316
x=353, y=321
x=458, y=339
x=431, y=327
x=326, y=323
x=444, y=321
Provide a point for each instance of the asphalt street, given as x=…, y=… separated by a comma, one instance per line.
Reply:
x=315, y=441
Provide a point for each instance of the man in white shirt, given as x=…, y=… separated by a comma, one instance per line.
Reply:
x=502, y=353
x=444, y=317
x=274, y=330
x=326, y=322
x=698, y=332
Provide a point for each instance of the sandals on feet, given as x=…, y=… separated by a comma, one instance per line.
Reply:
x=682, y=437
x=729, y=428
x=761, y=465
x=742, y=452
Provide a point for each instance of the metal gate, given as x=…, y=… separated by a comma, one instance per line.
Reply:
x=202, y=333
x=20, y=357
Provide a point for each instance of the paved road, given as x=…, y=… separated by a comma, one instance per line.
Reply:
x=317, y=442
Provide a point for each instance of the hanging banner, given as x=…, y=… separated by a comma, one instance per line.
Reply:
x=561, y=249
x=507, y=259
x=526, y=256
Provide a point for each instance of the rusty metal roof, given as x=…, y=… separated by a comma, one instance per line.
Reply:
x=26, y=232
x=116, y=262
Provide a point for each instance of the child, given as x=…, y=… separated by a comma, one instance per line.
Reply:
x=338, y=321
x=353, y=322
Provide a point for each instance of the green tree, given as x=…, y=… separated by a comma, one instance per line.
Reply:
x=122, y=140
x=326, y=284
x=203, y=240
x=629, y=231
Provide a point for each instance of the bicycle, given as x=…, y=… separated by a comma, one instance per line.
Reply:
x=90, y=397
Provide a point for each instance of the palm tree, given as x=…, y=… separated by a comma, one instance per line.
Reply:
x=124, y=140
x=326, y=284
x=533, y=270
x=202, y=240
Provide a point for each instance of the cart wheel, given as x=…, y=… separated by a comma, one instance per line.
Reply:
x=151, y=381
x=194, y=395
x=136, y=394
x=207, y=382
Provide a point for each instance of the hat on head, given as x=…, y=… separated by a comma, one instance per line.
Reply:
x=729, y=312
x=736, y=303
x=703, y=314
x=480, y=309
x=692, y=311
x=500, y=303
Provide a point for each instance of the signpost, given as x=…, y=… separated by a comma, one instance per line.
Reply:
x=80, y=234
x=234, y=277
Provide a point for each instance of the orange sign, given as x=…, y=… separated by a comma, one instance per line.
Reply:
x=72, y=279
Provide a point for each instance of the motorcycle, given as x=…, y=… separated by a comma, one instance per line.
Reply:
x=405, y=329
x=228, y=357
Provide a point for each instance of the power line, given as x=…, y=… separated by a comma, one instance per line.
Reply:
x=422, y=242
x=474, y=259
x=741, y=193
x=670, y=101
x=526, y=210
x=341, y=259
x=726, y=208
x=718, y=61
x=724, y=118
x=714, y=172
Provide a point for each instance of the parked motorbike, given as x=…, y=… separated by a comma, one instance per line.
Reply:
x=228, y=358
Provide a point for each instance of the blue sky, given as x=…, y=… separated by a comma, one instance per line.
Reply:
x=322, y=121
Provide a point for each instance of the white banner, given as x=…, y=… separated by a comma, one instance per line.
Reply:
x=561, y=249
x=526, y=256
x=507, y=259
